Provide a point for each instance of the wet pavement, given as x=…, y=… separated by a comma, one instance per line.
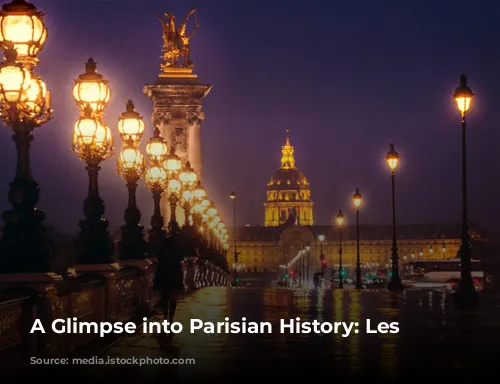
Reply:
x=433, y=339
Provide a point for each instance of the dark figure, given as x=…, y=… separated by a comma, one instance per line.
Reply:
x=169, y=279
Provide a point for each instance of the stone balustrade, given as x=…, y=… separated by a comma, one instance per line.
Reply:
x=92, y=293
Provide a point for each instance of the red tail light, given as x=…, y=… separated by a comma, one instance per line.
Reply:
x=476, y=281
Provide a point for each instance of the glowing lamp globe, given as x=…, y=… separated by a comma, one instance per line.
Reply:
x=463, y=96
x=188, y=176
x=92, y=138
x=392, y=158
x=156, y=148
x=187, y=195
x=199, y=192
x=22, y=27
x=155, y=178
x=211, y=211
x=173, y=186
x=36, y=97
x=339, y=219
x=14, y=79
x=357, y=199
x=172, y=162
x=131, y=162
x=130, y=125
x=91, y=88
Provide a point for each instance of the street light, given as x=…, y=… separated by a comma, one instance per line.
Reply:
x=339, y=220
x=308, y=251
x=232, y=196
x=466, y=293
x=156, y=181
x=131, y=166
x=23, y=28
x=198, y=208
x=392, y=159
x=93, y=143
x=357, y=199
x=173, y=166
x=24, y=105
x=188, y=179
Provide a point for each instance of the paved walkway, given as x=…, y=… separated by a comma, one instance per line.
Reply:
x=431, y=337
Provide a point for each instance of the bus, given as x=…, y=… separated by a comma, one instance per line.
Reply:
x=442, y=275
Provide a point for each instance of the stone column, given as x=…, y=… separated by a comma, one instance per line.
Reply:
x=177, y=111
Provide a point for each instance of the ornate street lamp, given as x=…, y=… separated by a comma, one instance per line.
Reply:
x=22, y=27
x=24, y=105
x=357, y=200
x=392, y=159
x=232, y=196
x=188, y=179
x=173, y=166
x=198, y=195
x=131, y=167
x=156, y=181
x=174, y=189
x=91, y=88
x=339, y=220
x=93, y=143
x=466, y=293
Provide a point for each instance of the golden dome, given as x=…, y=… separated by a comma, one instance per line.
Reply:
x=288, y=177
x=288, y=196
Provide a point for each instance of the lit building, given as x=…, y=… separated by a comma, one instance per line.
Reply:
x=288, y=195
x=289, y=227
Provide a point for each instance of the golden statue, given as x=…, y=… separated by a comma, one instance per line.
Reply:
x=176, y=42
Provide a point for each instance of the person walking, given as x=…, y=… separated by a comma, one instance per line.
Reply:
x=169, y=278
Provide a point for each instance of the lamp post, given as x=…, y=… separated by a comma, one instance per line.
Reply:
x=198, y=208
x=308, y=251
x=131, y=166
x=466, y=293
x=24, y=106
x=339, y=219
x=392, y=159
x=93, y=143
x=173, y=166
x=321, y=238
x=232, y=196
x=156, y=181
x=357, y=199
x=188, y=179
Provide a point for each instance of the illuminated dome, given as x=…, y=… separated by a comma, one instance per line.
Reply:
x=285, y=179
x=288, y=192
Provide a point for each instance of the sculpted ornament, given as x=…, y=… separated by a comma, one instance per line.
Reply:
x=176, y=42
x=161, y=118
x=194, y=118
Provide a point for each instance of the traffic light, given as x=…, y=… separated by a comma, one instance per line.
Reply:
x=237, y=281
x=342, y=273
x=390, y=273
x=323, y=263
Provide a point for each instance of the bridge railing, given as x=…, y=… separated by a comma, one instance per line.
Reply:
x=90, y=293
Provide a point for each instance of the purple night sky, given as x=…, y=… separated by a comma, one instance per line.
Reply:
x=348, y=78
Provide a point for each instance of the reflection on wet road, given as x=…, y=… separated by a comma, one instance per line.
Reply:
x=432, y=336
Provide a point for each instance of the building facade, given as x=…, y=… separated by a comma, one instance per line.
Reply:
x=289, y=228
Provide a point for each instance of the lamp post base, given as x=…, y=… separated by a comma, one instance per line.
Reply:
x=395, y=285
x=466, y=297
x=94, y=245
x=24, y=247
x=132, y=246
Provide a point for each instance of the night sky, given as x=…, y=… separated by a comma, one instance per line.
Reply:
x=347, y=77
